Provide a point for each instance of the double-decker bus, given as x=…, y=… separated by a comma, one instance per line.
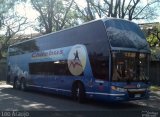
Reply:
x=105, y=59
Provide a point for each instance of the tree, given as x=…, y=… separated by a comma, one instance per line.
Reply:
x=11, y=23
x=154, y=37
x=125, y=9
x=93, y=9
x=4, y=8
x=54, y=14
x=153, y=40
x=152, y=32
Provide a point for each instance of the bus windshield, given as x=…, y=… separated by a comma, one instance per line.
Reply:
x=130, y=67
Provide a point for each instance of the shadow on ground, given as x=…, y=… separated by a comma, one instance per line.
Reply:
x=37, y=100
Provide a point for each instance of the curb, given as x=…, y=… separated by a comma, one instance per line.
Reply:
x=2, y=83
x=155, y=92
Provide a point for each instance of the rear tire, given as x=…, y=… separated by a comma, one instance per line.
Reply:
x=23, y=85
x=78, y=92
x=16, y=84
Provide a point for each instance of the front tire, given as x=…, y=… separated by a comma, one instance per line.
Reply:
x=78, y=92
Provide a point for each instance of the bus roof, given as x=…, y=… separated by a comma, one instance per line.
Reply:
x=58, y=31
x=97, y=20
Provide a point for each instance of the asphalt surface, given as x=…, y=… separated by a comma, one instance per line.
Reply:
x=33, y=103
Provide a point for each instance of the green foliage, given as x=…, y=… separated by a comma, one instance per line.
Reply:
x=152, y=40
x=155, y=53
x=155, y=88
x=152, y=32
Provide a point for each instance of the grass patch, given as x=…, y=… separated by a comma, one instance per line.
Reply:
x=155, y=88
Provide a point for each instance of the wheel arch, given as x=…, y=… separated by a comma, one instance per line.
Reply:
x=78, y=95
x=76, y=82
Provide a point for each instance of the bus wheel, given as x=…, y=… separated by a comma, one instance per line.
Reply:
x=78, y=92
x=23, y=84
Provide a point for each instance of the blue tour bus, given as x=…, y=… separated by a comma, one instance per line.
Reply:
x=105, y=59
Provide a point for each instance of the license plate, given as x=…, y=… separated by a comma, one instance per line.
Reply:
x=137, y=95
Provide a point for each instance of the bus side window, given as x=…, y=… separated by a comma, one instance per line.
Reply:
x=59, y=68
x=100, y=67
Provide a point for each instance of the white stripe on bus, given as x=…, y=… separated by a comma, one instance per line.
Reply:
x=97, y=93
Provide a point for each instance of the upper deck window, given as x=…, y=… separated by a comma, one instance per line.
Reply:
x=125, y=34
x=23, y=48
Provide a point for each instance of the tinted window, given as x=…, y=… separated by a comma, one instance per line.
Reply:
x=23, y=48
x=125, y=26
x=50, y=68
x=100, y=67
x=125, y=34
x=99, y=59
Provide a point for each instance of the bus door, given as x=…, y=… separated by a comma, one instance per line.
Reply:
x=100, y=70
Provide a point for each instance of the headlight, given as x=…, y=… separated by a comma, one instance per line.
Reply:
x=119, y=89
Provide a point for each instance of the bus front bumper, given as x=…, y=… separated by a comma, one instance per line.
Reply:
x=129, y=96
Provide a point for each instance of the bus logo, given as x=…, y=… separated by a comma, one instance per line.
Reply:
x=138, y=85
x=77, y=60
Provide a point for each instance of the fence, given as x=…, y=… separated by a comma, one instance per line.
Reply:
x=155, y=72
x=3, y=70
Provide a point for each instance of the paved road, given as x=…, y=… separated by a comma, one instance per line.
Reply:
x=15, y=100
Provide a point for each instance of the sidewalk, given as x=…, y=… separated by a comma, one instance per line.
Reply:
x=157, y=93
x=155, y=90
x=2, y=82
